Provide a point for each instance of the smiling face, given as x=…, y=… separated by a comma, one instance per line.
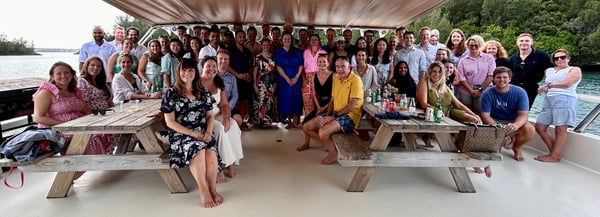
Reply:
x=502, y=80
x=342, y=68
x=361, y=57
x=473, y=46
x=561, y=59
x=441, y=54
x=209, y=67
x=154, y=47
x=381, y=46
x=491, y=49
x=62, y=76
x=322, y=63
x=125, y=61
x=524, y=42
x=287, y=40
x=94, y=67
x=265, y=45
x=223, y=61
x=187, y=75
x=435, y=74
x=361, y=43
x=314, y=40
x=403, y=69
x=456, y=38
x=449, y=68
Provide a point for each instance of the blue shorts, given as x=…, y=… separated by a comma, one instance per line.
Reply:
x=558, y=110
x=346, y=123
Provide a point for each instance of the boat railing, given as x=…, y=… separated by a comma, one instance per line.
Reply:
x=591, y=116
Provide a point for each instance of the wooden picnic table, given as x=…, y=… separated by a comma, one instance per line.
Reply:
x=378, y=156
x=127, y=122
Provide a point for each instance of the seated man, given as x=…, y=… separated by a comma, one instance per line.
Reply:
x=347, y=96
x=508, y=104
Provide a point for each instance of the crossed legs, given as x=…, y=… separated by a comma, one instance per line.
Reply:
x=204, y=169
x=320, y=130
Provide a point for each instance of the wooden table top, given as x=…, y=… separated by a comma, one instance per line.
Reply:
x=126, y=121
x=415, y=125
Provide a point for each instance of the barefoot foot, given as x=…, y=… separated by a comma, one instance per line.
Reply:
x=231, y=173
x=207, y=200
x=329, y=159
x=217, y=198
x=477, y=170
x=488, y=171
x=548, y=159
x=221, y=178
x=518, y=155
x=302, y=147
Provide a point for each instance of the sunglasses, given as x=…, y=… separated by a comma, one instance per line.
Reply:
x=559, y=57
x=522, y=65
x=100, y=111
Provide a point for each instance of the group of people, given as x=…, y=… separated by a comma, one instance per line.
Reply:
x=214, y=83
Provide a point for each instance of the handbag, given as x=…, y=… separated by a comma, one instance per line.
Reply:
x=481, y=138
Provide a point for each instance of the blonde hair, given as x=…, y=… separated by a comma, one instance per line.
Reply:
x=439, y=86
x=501, y=51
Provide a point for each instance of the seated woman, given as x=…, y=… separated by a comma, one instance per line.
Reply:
x=402, y=80
x=60, y=100
x=434, y=87
x=322, y=84
x=229, y=135
x=98, y=96
x=187, y=109
x=127, y=86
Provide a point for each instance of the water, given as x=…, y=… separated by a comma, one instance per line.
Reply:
x=38, y=66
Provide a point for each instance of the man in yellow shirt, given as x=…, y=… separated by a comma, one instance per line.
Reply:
x=345, y=115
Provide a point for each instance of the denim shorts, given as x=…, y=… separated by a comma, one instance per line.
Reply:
x=346, y=123
x=558, y=110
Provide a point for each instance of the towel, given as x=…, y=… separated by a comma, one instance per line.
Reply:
x=392, y=115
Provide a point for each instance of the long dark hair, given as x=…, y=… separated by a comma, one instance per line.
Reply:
x=72, y=87
x=179, y=87
x=386, y=53
x=293, y=48
x=100, y=80
x=152, y=57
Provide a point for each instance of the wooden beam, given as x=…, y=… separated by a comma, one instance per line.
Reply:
x=417, y=159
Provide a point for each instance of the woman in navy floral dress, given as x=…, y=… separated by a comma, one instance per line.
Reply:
x=187, y=108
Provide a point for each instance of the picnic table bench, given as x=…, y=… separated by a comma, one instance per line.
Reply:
x=352, y=151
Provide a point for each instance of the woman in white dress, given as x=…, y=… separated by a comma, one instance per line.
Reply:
x=229, y=135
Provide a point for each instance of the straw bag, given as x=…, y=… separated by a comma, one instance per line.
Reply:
x=481, y=138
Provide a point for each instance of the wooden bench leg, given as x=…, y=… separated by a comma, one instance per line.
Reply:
x=361, y=179
x=171, y=177
x=459, y=174
x=410, y=141
x=462, y=179
x=123, y=144
x=64, y=180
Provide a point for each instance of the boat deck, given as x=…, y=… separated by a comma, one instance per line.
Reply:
x=275, y=180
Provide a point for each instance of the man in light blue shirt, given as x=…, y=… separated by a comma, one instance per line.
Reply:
x=230, y=83
x=428, y=49
x=417, y=62
x=99, y=46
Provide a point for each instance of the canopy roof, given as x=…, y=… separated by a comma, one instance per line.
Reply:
x=330, y=13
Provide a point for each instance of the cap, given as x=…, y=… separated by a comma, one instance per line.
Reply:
x=340, y=38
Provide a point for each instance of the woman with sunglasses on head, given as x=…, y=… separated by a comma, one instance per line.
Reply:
x=560, y=104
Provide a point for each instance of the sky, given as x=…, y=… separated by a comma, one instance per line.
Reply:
x=56, y=23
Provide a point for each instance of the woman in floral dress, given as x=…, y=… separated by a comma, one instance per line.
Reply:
x=187, y=109
x=265, y=84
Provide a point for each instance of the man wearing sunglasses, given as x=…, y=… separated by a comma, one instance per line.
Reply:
x=528, y=66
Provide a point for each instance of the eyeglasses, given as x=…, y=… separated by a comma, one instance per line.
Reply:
x=473, y=45
x=559, y=57
x=522, y=65
x=101, y=111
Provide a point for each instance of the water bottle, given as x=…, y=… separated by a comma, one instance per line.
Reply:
x=378, y=95
x=437, y=111
x=412, y=106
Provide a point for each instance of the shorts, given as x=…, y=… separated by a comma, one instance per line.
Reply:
x=346, y=123
x=558, y=110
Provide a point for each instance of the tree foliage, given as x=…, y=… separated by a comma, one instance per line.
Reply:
x=573, y=25
x=18, y=46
